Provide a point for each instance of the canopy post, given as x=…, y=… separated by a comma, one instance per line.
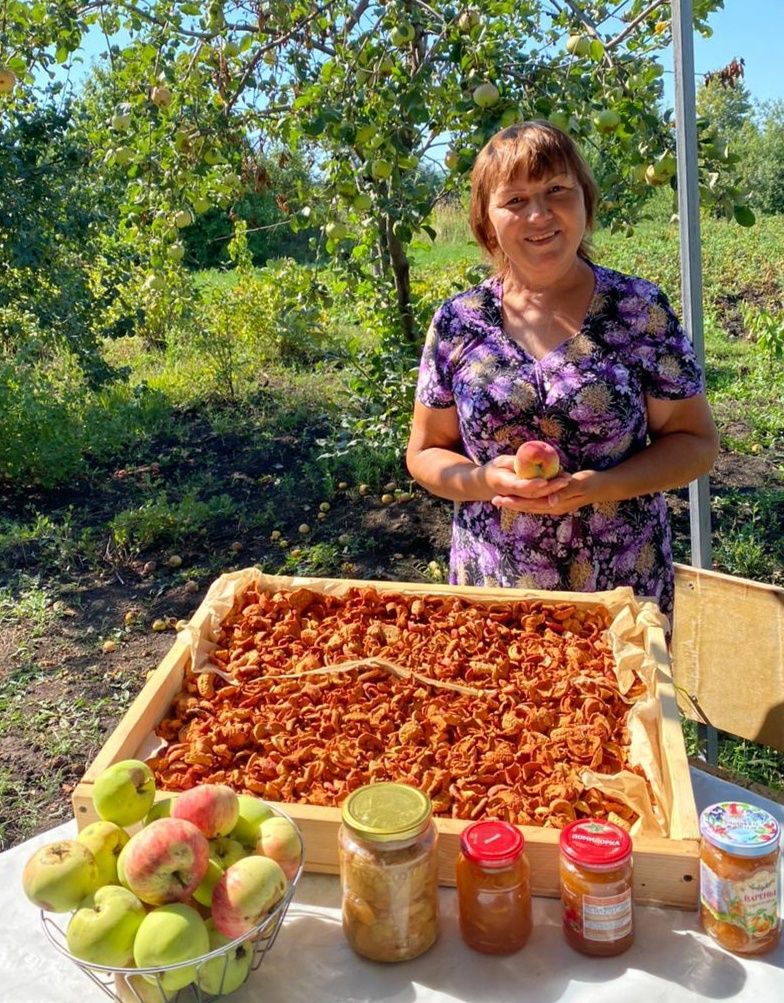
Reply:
x=691, y=264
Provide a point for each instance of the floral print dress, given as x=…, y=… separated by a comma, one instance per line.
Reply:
x=586, y=398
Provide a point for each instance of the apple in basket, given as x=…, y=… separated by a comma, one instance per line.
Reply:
x=247, y=891
x=105, y=841
x=59, y=875
x=103, y=928
x=252, y=812
x=212, y=808
x=279, y=840
x=224, y=974
x=170, y=935
x=536, y=459
x=165, y=861
x=124, y=792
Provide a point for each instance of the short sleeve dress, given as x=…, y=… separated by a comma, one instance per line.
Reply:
x=587, y=399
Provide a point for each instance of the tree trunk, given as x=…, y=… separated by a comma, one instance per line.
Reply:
x=401, y=270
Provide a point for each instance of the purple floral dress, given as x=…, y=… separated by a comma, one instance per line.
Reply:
x=586, y=398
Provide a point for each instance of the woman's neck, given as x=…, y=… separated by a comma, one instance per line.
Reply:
x=527, y=288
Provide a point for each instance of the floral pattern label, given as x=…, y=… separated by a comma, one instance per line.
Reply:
x=750, y=904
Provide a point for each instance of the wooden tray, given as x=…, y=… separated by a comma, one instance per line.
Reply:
x=665, y=869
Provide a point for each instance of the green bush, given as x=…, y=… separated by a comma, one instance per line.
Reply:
x=53, y=423
x=160, y=521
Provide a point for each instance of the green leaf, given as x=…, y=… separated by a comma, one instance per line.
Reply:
x=744, y=216
x=61, y=55
x=596, y=52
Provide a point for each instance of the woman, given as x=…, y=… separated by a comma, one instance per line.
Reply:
x=556, y=348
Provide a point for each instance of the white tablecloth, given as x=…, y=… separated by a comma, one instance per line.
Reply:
x=672, y=960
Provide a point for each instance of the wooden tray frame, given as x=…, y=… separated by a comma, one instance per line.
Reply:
x=665, y=869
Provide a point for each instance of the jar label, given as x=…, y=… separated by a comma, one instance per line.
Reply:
x=607, y=918
x=751, y=905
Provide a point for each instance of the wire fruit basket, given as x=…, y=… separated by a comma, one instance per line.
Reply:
x=149, y=985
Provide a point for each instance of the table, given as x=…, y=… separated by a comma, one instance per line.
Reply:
x=672, y=960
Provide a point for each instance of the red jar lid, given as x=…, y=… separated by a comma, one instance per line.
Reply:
x=492, y=843
x=594, y=843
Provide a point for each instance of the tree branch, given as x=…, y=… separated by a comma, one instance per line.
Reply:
x=633, y=24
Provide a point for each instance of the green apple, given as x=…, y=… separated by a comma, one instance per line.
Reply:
x=510, y=116
x=121, y=121
x=175, y=252
x=468, y=19
x=225, y=974
x=169, y=935
x=226, y=851
x=161, y=809
x=335, y=230
x=161, y=96
x=104, y=840
x=183, y=218
x=203, y=894
x=122, y=155
x=124, y=792
x=578, y=45
x=59, y=875
x=7, y=80
x=486, y=95
x=361, y=202
x=201, y=204
x=452, y=159
x=136, y=989
x=402, y=34
x=364, y=134
x=380, y=169
x=253, y=811
x=407, y=163
x=103, y=928
x=560, y=119
x=607, y=120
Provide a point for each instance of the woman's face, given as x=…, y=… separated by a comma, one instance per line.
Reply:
x=539, y=225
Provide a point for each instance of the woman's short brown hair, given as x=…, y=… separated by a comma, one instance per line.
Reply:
x=536, y=149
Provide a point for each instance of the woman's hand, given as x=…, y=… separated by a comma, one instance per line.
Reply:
x=564, y=493
x=511, y=491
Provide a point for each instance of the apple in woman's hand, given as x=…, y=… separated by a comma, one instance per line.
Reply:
x=536, y=459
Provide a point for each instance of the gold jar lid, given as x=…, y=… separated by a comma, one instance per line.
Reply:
x=386, y=812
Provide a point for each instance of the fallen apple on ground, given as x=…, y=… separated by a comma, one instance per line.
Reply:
x=536, y=459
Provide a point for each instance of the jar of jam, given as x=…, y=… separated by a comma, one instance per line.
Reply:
x=493, y=888
x=596, y=887
x=389, y=872
x=739, y=887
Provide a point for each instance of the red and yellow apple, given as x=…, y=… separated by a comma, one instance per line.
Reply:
x=165, y=861
x=170, y=935
x=280, y=841
x=124, y=792
x=105, y=841
x=536, y=459
x=103, y=928
x=59, y=875
x=212, y=808
x=247, y=891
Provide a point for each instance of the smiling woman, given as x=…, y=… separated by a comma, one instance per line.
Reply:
x=556, y=349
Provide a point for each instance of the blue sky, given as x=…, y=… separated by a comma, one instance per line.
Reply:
x=751, y=29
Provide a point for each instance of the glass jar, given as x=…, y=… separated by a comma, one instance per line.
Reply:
x=596, y=887
x=493, y=888
x=389, y=872
x=739, y=887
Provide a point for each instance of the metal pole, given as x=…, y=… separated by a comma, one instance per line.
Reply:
x=691, y=263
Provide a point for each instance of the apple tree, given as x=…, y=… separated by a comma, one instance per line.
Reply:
x=374, y=92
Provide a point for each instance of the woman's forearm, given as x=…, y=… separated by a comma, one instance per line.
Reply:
x=668, y=462
x=450, y=475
